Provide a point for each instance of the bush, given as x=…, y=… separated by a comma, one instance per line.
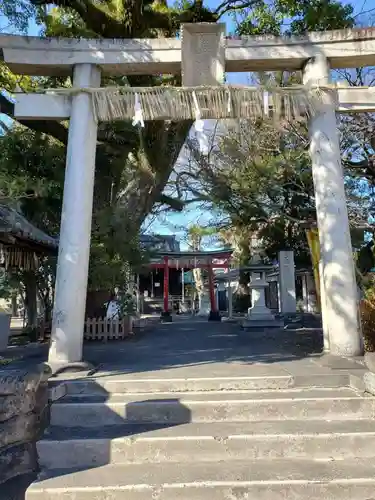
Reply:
x=367, y=311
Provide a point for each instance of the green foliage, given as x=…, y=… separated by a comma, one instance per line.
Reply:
x=32, y=175
x=113, y=248
x=196, y=235
x=31, y=179
x=65, y=23
x=367, y=311
x=17, y=13
x=364, y=265
x=127, y=304
x=295, y=17
x=259, y=179
x=6, y=286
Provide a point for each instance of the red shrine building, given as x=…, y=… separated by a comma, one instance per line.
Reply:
x=165, y=279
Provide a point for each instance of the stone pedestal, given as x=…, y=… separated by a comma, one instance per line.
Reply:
x=4, y=330
x=214, y=316
x=310, y=291
x=369, y=381
x=370, y=361
x=166, y=317
x=204, y=305
x=258, y=314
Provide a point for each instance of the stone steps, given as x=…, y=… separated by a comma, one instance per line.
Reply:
x=220, y=438
x=352, y=479
x=222, y=406
x=315, y=440
x=132, y=384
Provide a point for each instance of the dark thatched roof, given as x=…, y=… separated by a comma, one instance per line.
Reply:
x=15, y=226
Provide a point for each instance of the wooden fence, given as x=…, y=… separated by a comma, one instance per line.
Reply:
x=108, y=329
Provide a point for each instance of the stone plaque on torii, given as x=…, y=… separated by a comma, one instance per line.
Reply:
x=202, y=55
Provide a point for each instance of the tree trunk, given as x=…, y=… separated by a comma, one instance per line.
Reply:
x=161, y=143
x=244, y=279
x=29, y=281
x=14, y=304
x=243, y=297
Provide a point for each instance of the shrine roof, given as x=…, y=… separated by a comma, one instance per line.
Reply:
x=159, y=242
x=193, y=259
x=16, y=230
x=235, y=273
x=207, y=253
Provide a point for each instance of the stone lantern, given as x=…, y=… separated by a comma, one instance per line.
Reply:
x=259, y=315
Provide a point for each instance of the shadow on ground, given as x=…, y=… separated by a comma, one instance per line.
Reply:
x=133, y=419
x=195, y=343
x=15, y=488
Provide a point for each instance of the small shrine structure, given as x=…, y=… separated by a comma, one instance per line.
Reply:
x=186, y=261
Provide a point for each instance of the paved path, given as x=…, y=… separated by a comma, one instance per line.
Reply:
x=202, y=348
x=197, y=348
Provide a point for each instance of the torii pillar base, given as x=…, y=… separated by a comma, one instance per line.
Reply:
x=214, y=316
x=166, y=317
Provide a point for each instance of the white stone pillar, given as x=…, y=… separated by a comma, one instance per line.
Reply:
x=332, y=216
x=152, y=284
x=311, y=294
x=288, y=304
x=138, y=296
x=305, y=293
x=183, y=287
x=230, y=300
x=75, y=229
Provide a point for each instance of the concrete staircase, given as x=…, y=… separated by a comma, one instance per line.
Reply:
x=244, y=438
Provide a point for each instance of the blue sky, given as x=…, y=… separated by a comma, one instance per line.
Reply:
x=174, y=222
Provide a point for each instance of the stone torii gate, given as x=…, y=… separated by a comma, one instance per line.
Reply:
x=202, y=56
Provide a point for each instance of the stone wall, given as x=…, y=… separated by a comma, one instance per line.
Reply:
x=24, y=414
